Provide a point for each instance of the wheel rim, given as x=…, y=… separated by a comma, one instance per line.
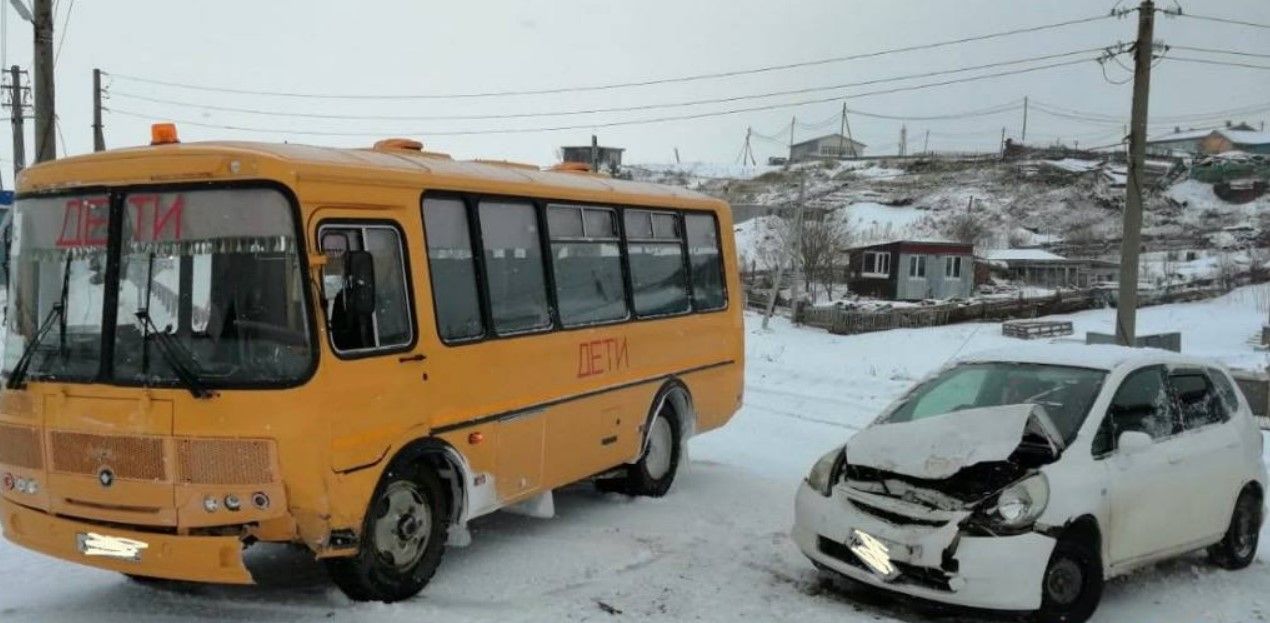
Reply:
x=661, y=441
x=402, y=525
x=1245, y=536
x=1063, y=581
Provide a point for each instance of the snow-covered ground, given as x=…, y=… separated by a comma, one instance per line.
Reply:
x=717, y=547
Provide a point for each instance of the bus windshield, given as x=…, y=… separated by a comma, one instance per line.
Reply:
x=209, y=285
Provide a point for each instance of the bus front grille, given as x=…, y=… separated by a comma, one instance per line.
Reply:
x=20, y=447
x=134, y=458
x=224, y=461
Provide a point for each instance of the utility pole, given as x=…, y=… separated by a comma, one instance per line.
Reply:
x=903, y=139
x=1130, y=245
x=595, y=154
x=926, y=143
x=676, y=155
x=99, y=139
x=1003, y=143
x=1023, y=135
x=780, y=258
x=45, y=113
x=792, y=121
x=847, y=123
x=17, y=108
x=842, y=133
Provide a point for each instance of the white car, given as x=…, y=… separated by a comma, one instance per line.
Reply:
x=1022, y=479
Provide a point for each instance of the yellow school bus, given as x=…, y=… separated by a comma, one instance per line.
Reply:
x=358, y=350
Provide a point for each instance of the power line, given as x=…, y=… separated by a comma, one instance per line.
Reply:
x=65, y=25
x=682, y=117
x=591, y=111
x=1218, y=51
x=619, y=85
x=1224, y=20
x=1203, y=61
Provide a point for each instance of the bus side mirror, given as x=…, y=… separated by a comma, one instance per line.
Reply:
x=360, y=281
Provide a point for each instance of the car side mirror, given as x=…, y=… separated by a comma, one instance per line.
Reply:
x=1132, y=441
x=360, y=281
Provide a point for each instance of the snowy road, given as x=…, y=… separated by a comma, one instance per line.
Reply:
x=716, y=548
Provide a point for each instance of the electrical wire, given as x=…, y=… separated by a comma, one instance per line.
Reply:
x=619, y=85
x=1202, y=61
x=1189, y=48
x=65, y=26
x=629, y=122
x=1224, y=20
x=591, y=111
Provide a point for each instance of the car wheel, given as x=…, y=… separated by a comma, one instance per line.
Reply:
x=1239, y=547
x=1072, y=584
x=403, y=538
x=653, y=474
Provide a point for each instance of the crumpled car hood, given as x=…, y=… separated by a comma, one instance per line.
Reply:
x=938, y=447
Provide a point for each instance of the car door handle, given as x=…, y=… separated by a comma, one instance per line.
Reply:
x=414, y=357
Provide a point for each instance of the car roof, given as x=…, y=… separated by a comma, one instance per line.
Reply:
x=1094, y=356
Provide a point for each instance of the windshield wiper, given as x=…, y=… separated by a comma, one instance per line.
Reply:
x=177, y=358
x=17, y=377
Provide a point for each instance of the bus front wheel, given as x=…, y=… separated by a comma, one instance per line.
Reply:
x=403, y=538
x=653, y=474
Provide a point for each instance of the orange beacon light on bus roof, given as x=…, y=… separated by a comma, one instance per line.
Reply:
x=163, y=134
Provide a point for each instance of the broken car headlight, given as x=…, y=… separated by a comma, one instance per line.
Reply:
x=1019, y=504
x=827, y=470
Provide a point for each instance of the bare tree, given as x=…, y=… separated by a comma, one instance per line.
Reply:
x=966, y=227
x=820, y=255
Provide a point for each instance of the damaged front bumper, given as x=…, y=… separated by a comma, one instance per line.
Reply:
x=929, y=556
x=191, y=558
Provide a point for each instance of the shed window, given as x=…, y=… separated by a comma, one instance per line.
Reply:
x=877, y=264
x=952, y=267
x=917, y=266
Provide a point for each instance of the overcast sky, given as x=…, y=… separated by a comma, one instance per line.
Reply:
x=400, y=47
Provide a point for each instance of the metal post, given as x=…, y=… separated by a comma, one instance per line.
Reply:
x=15, y=116
x=99, y=139
x=42, y=75
x=1023, y=134
x=1130, y=245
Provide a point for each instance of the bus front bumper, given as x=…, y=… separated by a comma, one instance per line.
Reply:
x=216, y=559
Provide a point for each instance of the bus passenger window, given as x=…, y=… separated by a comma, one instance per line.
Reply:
x=707, y=264
x=658, y=276
x=513, y=267
x=587, y=261
x=388, y=325
x=453, y=269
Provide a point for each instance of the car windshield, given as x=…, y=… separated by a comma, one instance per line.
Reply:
x=1066, y=392
x=217, y=273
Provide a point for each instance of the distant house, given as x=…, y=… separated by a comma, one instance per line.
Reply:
x=1037, y=267
x=831, y=146
x=1242, y=137
x=911, y=270
x=607, y=158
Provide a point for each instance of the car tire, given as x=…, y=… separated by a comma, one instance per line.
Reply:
x=403, y=538
x=1072, y=584
x=655, y=471
x=1238, y=547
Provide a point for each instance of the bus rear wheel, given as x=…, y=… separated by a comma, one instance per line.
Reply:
x=655, y=471
x=403, y=538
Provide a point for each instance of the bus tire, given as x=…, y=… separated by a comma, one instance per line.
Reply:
x=654, y=472
x=403, y=537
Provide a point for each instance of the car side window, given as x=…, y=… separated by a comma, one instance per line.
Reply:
x=1141, y=403
x=1197, y=399
x=1226, y=390
x=383, y=320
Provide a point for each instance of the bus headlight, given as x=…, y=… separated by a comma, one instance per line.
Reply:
x=826, y=471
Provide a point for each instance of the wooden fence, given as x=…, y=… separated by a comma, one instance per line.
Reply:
x=846, y=321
